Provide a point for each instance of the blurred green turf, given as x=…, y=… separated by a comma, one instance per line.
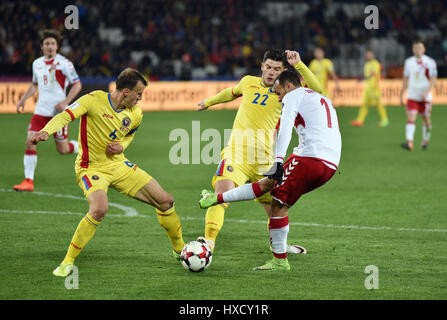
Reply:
x=386, y=207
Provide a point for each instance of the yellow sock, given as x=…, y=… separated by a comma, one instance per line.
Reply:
x=170, y=221
x=214, y=220
x=382, y=112
x=363, y=112
x=83, y=234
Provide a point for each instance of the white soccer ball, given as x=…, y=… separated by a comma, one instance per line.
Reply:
x=196, y=256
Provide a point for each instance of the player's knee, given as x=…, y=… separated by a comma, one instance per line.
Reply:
x=166, y=202
x=98, y=211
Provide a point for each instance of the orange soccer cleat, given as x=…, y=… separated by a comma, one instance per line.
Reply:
x=26, y=185
x=356, y=123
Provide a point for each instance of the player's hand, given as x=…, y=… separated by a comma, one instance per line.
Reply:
x=425, y=94
x=20, y=107
x=60, y=106
x=276, y=172
x=36, y=137
x=114, y=148
x=202, y=106
x=293, y=57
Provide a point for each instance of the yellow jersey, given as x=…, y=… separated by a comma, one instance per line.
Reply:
x=372, y=75
x=321, y=69
x=100, y=124
x=258, y=114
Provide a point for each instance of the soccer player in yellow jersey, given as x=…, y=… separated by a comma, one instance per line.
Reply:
x=107, y=127
x=371, y=92
x=323, y=68
x=248, y=153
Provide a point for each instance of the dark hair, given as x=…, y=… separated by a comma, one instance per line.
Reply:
x=289, y=76
x=129, y=78
x=275, y=55
x=50, y=33
x=418, y=41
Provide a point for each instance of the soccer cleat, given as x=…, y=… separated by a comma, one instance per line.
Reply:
x=384, y=123
x=176, y=255
x=25, y=185
x=208, y=199
x=296, y=249
x=208, y=242
x=407, y=145
x=63, y=270
x=275, y=265
x=424, y=146
x=293, y=249
x=356, y=123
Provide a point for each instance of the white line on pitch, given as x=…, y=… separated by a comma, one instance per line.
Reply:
x=305, y=224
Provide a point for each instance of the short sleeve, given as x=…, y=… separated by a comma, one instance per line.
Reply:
x=70, y=72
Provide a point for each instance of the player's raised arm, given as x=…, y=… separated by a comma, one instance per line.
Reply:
x=293, y=57
x=226, y=95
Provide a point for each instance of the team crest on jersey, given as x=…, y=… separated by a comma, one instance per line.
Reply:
x=126, y=122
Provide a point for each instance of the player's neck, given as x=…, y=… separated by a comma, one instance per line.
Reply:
x=49, y=57
x=116, y=98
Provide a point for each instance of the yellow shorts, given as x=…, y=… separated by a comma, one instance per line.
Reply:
x=371, y=98
x=241, y=174
x=123, y=176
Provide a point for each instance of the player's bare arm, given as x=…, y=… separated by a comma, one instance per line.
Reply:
x=404, y=87
x=75, y=89
x=32, y=89
x=432, y=84
x=114, y=148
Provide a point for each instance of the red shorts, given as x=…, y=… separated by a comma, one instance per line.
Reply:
x=37, y=123
x=422, y=107
x=301, y=175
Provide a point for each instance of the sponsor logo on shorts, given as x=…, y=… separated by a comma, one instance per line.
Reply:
x=95, y=177
x=230, y=168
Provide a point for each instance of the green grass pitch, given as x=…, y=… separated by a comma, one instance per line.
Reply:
x=386, y=207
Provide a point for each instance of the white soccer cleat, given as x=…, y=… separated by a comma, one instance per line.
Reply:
x=296, y=249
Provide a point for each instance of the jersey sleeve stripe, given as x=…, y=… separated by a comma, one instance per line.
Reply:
x=84, y=142
x=71, y=114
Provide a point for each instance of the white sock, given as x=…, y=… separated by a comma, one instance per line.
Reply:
x=75, y=145
x=29, y=163
x=426, y=133
x=248, y=191
x=279, y=229
x=409, y=131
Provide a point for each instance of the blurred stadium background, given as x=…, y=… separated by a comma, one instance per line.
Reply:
x=217, y=40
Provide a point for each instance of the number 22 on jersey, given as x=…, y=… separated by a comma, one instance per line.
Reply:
x=261, y=101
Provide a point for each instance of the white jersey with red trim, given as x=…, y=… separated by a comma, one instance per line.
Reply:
x=419, y=72
x=52, y=77
x=316, y=123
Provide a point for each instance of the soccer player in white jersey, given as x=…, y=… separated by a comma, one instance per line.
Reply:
x=52, y=73
x=419, y=78
x=312, y=163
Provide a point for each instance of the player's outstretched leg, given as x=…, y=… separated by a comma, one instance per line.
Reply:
x=207, y=199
